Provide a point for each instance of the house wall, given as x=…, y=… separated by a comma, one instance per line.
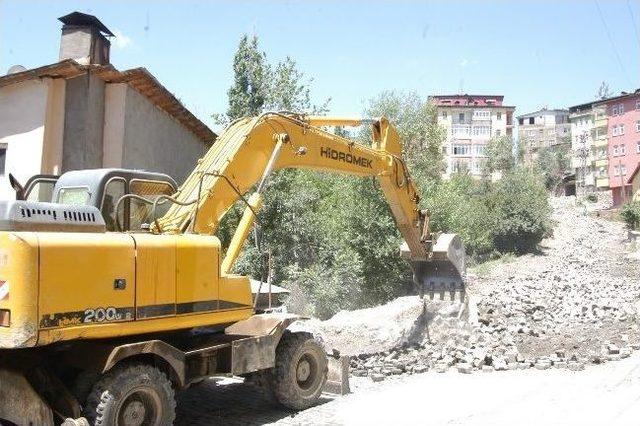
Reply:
x=22, y=116
x=83, y=125
x=155, y=141
x=114, y=115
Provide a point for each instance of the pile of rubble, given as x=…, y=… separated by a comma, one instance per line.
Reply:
x=571, y=305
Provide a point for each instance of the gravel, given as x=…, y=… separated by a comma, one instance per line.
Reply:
x=573, y=304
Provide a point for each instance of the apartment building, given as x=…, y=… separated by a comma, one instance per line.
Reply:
x=470, y=122
x=589, y=146
x=542, y=129
x=623, y=131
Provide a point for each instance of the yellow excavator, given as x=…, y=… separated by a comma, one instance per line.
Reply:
x=105, y=312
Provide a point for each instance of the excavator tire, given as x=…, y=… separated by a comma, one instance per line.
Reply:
x=300, y=371
x=131, y=394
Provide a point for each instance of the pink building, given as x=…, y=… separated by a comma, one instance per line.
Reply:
x=623, y=128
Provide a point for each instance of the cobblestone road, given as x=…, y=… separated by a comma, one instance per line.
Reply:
x=599, y=395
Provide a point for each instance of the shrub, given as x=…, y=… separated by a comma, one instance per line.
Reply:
x=592, y=197
x=521, y=213
x=630, y=213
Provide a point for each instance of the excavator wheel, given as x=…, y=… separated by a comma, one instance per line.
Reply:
x=131, y=395
x=300, y=371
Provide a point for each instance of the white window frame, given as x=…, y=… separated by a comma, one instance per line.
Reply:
x=614, y=110
x=638, y=147
x=620, y=109
x=615, y=150
x=623, y=149
x=638, y=126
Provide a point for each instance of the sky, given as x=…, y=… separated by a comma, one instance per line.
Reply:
x=535, y=53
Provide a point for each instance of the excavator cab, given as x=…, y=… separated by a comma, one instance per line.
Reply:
x=101, y=188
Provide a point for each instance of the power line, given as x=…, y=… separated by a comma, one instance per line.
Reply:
x=613, y=46
x=633, y=21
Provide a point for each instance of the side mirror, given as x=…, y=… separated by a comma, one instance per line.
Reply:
x=17, y=187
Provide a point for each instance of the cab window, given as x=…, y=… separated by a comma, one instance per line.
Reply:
x=141, y=212
x=41, y=190
x=113, y=191
x=78, y=196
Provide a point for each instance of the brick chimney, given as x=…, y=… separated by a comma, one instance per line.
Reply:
x=84, y=38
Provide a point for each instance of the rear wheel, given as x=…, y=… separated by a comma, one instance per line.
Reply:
x=131, y=395
x=300, y=371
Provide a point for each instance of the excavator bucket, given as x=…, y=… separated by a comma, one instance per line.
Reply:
x=443, y=274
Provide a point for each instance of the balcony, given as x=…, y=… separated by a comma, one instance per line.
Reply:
x=602, y=162
x=602, y=142
x=602, y=182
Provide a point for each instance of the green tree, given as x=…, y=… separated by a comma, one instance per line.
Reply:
x=603, y=92
x=553, y=163
x=249, y=92
x=520, y=211
x=501, y=154
x=290, y=90
x=422, y=137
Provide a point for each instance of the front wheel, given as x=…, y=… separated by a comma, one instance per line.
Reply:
x=300, y=371
x=131, y=395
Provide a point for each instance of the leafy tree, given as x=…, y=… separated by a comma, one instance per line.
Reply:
x=422, y=137
x=289, y=90
x=249, y=92
x=520, y=211
x=553, y=163
x=501, y=154
x=603, y=91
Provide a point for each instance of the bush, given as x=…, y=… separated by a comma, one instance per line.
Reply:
x=520, y=211
x=592, y=197
x=630, y=213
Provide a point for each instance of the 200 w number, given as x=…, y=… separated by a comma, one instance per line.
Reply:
x=100, y=315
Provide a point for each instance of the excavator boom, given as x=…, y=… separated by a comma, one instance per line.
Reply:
x=250, y=149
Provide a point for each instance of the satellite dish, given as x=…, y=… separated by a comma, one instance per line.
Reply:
x=16, y=69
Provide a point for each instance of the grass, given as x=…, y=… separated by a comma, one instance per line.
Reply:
x=483, y=269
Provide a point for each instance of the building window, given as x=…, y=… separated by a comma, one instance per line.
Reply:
x=617, y=130
x=521, y=121
x=3, y=159
x=481, y=130
x=637, y=126
x=461, y=149
x=498, y=132
x=638, y=105
x=444, y=114
x=638, y=147
x=616, y=170
x=532, y=120
x=623, y=170
x=623, y=149
x=498, y=115
x=615, y=150
x=621, y=109
x=481, y=115
x=479, y=149
x=614, y=110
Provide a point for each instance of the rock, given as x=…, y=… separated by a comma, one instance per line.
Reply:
x=465, y=368
x=441, y=367
x=575, y=366
x=377, y=377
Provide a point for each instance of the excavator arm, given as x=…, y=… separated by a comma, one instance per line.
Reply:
x=250, y=149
